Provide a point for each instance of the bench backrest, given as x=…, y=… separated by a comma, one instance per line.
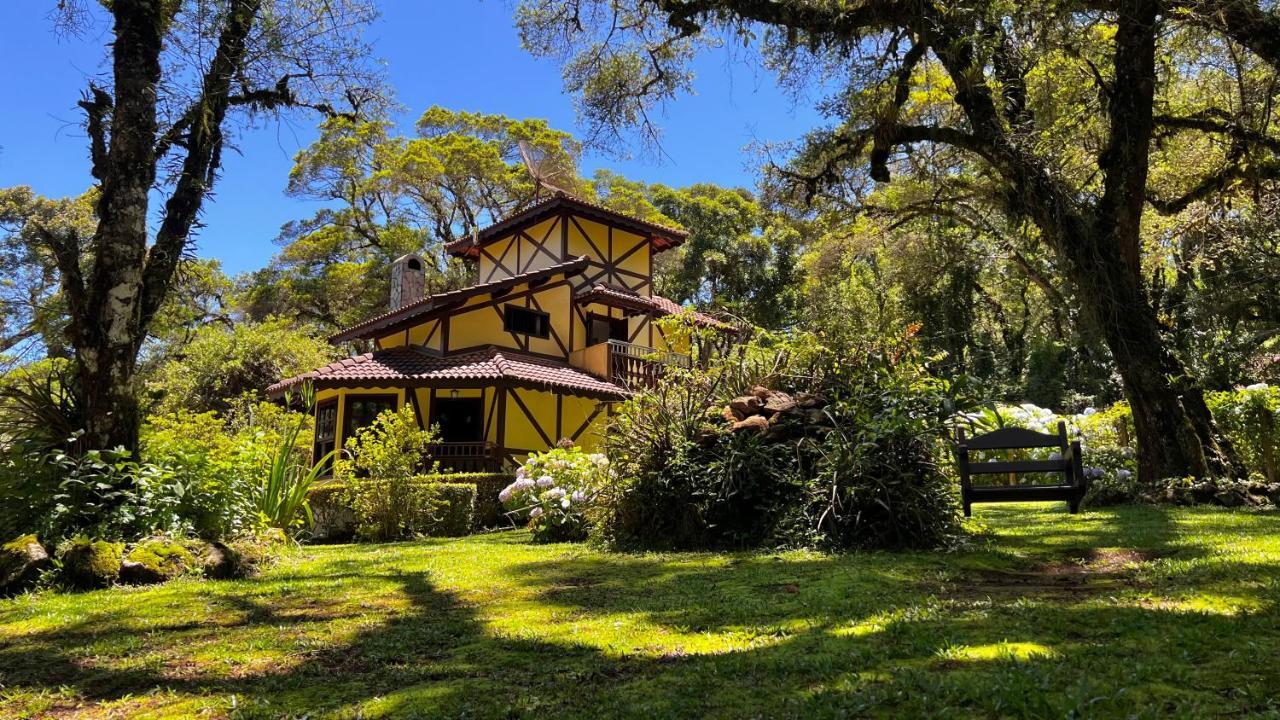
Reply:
x=1012, y=438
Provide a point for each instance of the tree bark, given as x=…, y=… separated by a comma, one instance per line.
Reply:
x=106, y=329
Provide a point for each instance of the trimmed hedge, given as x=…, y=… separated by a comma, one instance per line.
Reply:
x=453, y=507
x=488, y=508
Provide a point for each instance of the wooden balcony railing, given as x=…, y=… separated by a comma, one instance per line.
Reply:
x=627, y=364
x=466, y=456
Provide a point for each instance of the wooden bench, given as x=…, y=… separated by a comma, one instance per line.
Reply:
x=1068, y=465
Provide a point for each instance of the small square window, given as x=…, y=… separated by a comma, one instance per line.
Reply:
x=526, y=322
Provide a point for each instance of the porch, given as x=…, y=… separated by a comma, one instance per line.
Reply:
x=626, y=364
x=466, y=457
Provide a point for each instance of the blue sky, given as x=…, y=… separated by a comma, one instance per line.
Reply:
x=461, y=54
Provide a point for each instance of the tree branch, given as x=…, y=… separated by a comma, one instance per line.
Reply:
x=97, y=104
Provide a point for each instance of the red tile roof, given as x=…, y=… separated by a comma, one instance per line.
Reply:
x=415, y=311
x=663, y=236
x=406, y=366
x=614, y=296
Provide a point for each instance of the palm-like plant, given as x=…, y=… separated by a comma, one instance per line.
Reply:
x=282, y=498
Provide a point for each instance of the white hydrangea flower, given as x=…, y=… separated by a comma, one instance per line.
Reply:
x=535, y=513
x=546, y=481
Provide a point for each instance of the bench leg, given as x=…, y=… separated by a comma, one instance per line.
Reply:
x=1075, y=506
x=968, y=510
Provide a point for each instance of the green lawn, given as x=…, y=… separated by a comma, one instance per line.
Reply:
x=1140, y=612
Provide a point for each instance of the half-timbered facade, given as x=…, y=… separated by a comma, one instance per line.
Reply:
x=558, y=327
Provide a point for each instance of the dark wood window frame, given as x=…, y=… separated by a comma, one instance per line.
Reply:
x=326, y=433
x=543, y=322
x=613, y=322
x=348, y=429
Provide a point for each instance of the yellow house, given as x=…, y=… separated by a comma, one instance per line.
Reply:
x=558, y=327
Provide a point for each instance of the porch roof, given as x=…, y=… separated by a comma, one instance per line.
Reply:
x=413, y=367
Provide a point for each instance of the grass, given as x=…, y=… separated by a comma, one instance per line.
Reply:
x=1133, y=612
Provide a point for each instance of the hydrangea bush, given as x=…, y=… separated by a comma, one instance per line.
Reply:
x=554, y=490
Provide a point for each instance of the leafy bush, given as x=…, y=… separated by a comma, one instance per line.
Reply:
x=1250, y=418
x=89, y=564
x=554, y=490
x=39, y=414
x=457, y=514
x=380, y=467
x=488, y=511
x=862, y=471
x=281, y=498
x=394, y=509
x=221, y=365
x=105, y=493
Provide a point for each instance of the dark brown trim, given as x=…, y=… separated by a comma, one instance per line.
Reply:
x=532, y=420
x=587, y=423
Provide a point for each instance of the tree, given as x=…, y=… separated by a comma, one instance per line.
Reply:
x=387, y=195
x=739, y=256
x=183, y=76
x=221, y=365
x=34, y=312
x=1072, y=111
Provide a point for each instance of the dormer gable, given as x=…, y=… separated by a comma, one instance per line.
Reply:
x=619, y=248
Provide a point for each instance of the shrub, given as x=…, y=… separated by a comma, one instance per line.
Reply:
x=1250, y=418
x=392, y=446
x=217, y=466
x=105, y=493
x=488, y=512
x=554, y=490
x=458, y=509
x=857, y=466
x=395, y=509
x=281, y=498
x=220, y=365
x=89, y=564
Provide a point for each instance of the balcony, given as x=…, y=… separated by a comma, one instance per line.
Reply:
x=626, y=364
x=479, y=457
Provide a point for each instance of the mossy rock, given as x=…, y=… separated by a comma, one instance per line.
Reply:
x=22, y=560
x=240, y=558
x=155, y=561
x=89, y=564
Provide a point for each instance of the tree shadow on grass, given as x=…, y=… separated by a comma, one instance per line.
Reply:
x=674, y=636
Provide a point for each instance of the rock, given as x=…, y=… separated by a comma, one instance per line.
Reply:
x=745, y=406
x=809, y=400
x=155, y=561
x=21, y=562
x=89, y=564
x=238, y=559
x=1228, y=498
x=756, y=422
x=760, y=391
x=730, y=415
x=136, y=573
x=777, y=402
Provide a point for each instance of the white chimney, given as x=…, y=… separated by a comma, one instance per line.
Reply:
x=408, y=280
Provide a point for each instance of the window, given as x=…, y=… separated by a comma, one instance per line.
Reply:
x=602, y=329
x=361, y=411
x=326, y=437
x=526, y=321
